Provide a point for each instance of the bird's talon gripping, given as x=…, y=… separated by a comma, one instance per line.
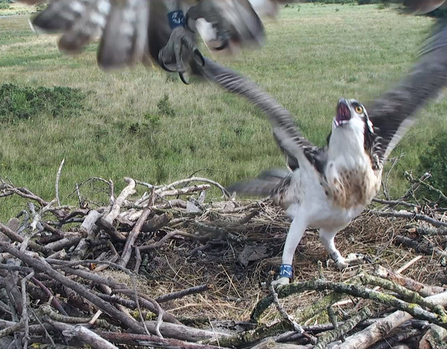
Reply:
x=199, y=57
x=280, y=282
x=163, y=65
x=285, y=274
x=224, y=44
x=352, y=260
x=182, y=77
x=180, y=46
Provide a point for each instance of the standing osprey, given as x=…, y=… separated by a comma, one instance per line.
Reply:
x=134, y=30
x=326, y=188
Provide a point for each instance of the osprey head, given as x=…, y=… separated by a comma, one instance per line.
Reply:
x=351, y=114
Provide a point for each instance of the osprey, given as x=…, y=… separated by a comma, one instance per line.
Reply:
x=134, y=30
x=325, y=188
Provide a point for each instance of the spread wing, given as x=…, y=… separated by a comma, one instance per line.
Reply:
x=286, y=132
x=129, y=29
x=132, y=30
x=394, y=112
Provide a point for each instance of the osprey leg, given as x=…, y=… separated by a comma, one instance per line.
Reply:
x=294, y=236
x=181, y=43
x=328, y=240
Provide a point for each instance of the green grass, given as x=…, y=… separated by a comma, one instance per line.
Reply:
x=15, y=8
x=314, y=55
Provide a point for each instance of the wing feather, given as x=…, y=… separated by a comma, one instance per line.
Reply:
x=394, y=112
x=286, y=132
x=61, y=14
x=236, y=18
x=124, y=38
x=89, y=26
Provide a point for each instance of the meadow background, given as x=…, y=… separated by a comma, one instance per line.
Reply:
x=146, y=124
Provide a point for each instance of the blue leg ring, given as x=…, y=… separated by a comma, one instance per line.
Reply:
x=176, y=19
x=286, y=270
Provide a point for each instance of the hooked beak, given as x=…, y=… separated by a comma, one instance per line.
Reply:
x=343, y=113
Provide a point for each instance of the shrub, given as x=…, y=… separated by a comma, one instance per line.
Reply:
x=368, y=2
x=434, y=160
x=164, y=106
x=21, y=103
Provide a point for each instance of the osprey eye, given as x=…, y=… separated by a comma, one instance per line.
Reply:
x=359, y=110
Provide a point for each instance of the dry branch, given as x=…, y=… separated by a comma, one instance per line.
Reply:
x=132, y=237
x=354, y=290
x=44, y=267
x=83, y=334
x=422, y=289
x=376, y=331
x=410, y=215
x=180, y=244
x=16, y=237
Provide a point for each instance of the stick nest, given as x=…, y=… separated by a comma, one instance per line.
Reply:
x=164, y=252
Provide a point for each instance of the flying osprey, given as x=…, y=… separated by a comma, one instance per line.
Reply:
x=325, y=188
x=134, y=30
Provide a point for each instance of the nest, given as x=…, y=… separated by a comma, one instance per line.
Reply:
x=127, y=270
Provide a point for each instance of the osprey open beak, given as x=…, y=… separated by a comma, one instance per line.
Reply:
x=343, y=113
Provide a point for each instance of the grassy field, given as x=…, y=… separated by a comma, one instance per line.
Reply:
x=314, y=55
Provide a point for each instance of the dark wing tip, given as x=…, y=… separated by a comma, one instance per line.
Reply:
x=393, y=112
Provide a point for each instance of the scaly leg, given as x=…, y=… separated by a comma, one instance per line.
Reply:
x=327, y=239
x=181, y=41
x=294, y=236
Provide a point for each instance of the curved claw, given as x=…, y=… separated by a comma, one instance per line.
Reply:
x=224, y=45
x=163, y=65
x=182, y=77
x=199, y=55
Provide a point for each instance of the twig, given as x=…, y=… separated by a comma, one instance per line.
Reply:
x=185, y=190
x=374, y=332
x=197, y=179
x=183, y=293
x=58, y=176
x=425, y=184
x=12, y=329
x=83, y=334
x=296, y=327
x=81, y=290
x=16, y=237
x=406, y=294
x=410, y=215
x=354, y=290
x=427, y=231
x=137, y=260
x=408, y=283
x=151, y=341
x=25, y=193
x=415, y=185
x=168, y=236
x=347, y=326
x=54, y=300
x=408, y=264
x=45, y=309
x=25, y=303
x=396, y=203
x=115, y=210
x=424, y=247
x=127, y=251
